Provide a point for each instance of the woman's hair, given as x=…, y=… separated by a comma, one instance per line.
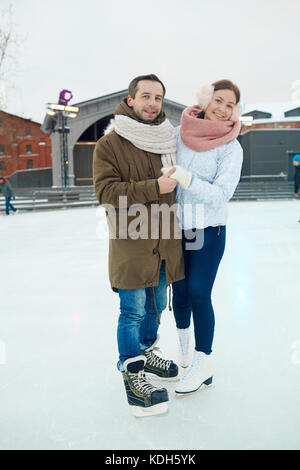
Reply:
x=227, y=85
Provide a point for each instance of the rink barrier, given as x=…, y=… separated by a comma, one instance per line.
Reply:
x=79, y=196
x=52, y=199
x=256, y=190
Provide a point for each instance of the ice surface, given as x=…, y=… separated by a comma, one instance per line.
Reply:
x=59, y=386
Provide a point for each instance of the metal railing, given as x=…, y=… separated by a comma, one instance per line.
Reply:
x=52, y=199
x=42, y=199
x=264, y=190
x=281, y=176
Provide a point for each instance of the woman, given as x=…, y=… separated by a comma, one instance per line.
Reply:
x=209, y=165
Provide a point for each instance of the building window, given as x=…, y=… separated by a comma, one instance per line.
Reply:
x=29, y=164
x=28, y=149
x=2, y=166
x=1, y=148
x=28, y=131
x=0, y=123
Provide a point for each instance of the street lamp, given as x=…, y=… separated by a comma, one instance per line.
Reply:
x=65, y=96
x=63, y=111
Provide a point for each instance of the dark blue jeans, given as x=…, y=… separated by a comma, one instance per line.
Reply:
x=192, y=295
x=8, y=205
x=137, y=326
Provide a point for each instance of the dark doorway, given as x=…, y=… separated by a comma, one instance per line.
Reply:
x=83, y=151
x=96, y=130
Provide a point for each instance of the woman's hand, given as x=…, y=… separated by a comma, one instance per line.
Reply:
x=182, y=176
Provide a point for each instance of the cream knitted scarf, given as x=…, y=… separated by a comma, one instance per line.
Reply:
x=160, y=139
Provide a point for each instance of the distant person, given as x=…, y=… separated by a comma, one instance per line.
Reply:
x=8, y=193
x=296, y=163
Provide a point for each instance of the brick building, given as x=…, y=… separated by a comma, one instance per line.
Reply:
x=23, y=145
x=271, y=142
x=277, y=115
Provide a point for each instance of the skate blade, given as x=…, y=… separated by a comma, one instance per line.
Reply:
x=206, y=384
x=165, y=379
x=158, y=409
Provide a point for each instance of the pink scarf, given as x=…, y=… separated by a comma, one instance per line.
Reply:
x=204, y=134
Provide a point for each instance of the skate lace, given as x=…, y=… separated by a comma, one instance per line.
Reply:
x=191, y=371
x=157, y=361
x=189, y=374
x=140, y=383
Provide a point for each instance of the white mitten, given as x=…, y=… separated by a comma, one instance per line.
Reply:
x=182, y=176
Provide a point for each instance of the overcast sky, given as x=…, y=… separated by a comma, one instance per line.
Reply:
x=95, y=47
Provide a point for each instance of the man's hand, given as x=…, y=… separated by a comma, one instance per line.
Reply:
x=166, y=183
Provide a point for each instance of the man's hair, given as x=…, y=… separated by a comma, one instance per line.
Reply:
x=133, y=85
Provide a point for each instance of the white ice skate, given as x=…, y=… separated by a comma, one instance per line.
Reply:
x=185, y=346
x=198, y=375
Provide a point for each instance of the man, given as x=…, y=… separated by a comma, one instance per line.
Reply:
x=127, y=164
x=8, y=193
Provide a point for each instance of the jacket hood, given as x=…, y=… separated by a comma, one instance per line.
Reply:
x=126, y=110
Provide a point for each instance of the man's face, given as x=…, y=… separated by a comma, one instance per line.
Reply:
x=148, y=100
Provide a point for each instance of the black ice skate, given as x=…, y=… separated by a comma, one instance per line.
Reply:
x=157, y=367
x=145, y=399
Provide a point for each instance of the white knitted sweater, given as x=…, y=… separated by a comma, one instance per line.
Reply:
x=216, y=174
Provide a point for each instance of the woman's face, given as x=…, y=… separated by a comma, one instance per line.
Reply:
x=221, y=106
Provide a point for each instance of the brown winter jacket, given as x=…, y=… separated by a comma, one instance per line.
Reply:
x=121, y=169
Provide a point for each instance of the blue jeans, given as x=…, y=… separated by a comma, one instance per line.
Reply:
x=137, y=326
x=8, y=205
x=192, y=295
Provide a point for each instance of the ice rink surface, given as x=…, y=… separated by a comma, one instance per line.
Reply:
x=59, y=386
